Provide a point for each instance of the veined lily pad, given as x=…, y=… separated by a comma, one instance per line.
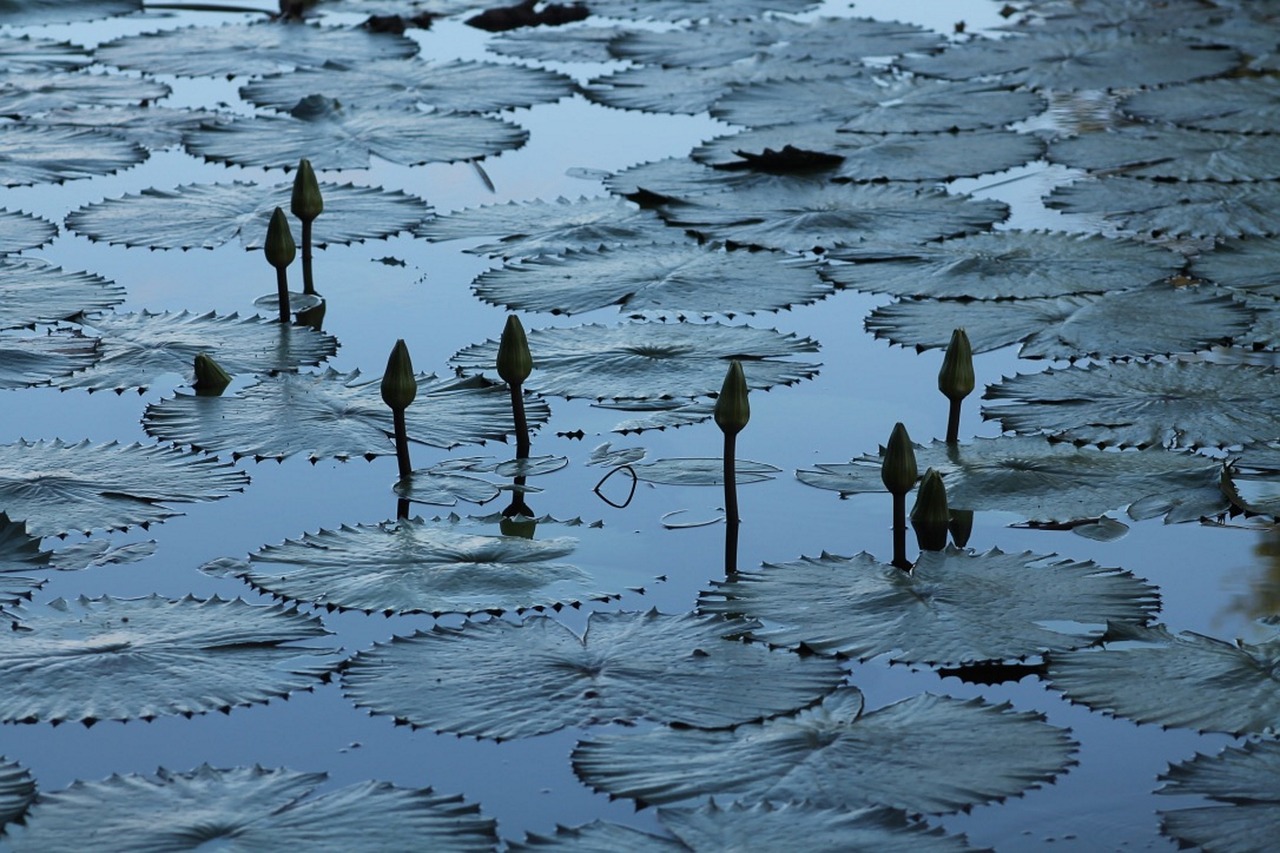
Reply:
x=127, y=658
x=38, y=155
x=599, y=836
x=954, y=607
x=1242, y=264
x=1176, y=209
x=38, y=360
x=19, y=231
x=1186, y=681
x=153, y=127
x=626, y=666
x=444, y=485
x=208, y=215
x=927, y=754
x=557, y=44
x=673, y=179
x=1143, y=404
x=30, y=92
x=1243, y=783
x=25, y=53
x=34, y=292
x=333, y=414
x=28, y=13
x=701, y=472
x=1171, y=153
x=135, y=349
x=664, y=277
x=60, y=488
x=639, y=361
x=689, y=91
x=17, y=790
x=1234, y=104
x=249, y=808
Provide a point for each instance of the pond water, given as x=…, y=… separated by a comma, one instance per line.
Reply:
x=1213, y=580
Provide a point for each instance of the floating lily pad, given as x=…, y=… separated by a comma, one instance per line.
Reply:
x=682, y=10
x=127, y=658
x=1243, y=784
x=26, y=13
x=625, y=667
x=25, y=53
x=954, y=607
x=1171, y=153
x=701, y=472
x=17, y=790
x=250, y=808
x=1003, y=265
x=331, y=414
x=670, y=415
x=674, y=178
x=19, y=231
x=77, y=556
x=26, y=93
x=1242, y=264
x=18, y=549
x=60, y=488
x=34, y=292
x=556, y=44
x=689, y=91
x=598, y=837
x=39, y=360
x=1176, y=209
x=665, y=277
x=1233, y=104
x=39, y=155
x=14, y=589
x=153, y=127
x=136, y=349
x=1143, y=404
x=1186, y=681
x=442, y=485
x=638, y=361
x=927, y=754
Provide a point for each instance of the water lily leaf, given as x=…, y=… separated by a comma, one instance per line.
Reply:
x=208, y=215
x=1185, y=681
x=671, y=416
x=541, y=227
x=1049, y=482
x=25, y=53
x=674, y=178
x=39, y=360
x=34, y=292
x=250, y=49
x=1242, y=264
x=59, y=488
x=638, y=361
x=38, y=155
x=1076, y=60
x=1234, y=104
x=28, y=13
x=1002, y=265
x=19, y=231
x=556, y=44
x=19, y=548
x=609, y=456
x=682, y=10
x=701, y=472
x=25, y=93
x=625, y=667
x=14, y=589
x=445, y=488
x=443, y=566
x=77, y=556
x=954, y=607
x=1131, y=16
x=17, y=790
x=339, y=136
x=127, y=658
x=599, y=836
x=1243, y=781
x=689, y=91
x=672, y=277
x=135, y=349
x=801, y=215
x=926, y=754
x=153, y=127
x=1158, y=319
x=1171, y=153
x=250, y=808
x=1176, y=209
x=466, y=87
x=1140, y=404
x=332, y=414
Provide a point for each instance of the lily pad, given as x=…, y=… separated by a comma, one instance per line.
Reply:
x=14, y=589
x=441, y=485
x=40, y=155
x=25, y=93
x=689, y=91
x=1176, y=209
x=250, y=808
x=1143, y=404
x=28, y=13
x=136, y=349
x=153, y=127
x=954, y=607
x=1233, y=104
x=682, y=10
x=663, y=277
x=556, y=44
x=1241, y=781
x=209, y=215
x=675, y=178
x=19, y=231
x=1170, y=153
x=638, y=361
x=1185, y=681
x=60, y=488
x=625, y=667
x=34, y=292
x=128, y=658
x=17, y=790
x=707, y=471
x=332, y=414
x=599, y=836
x=26, y=53
x=928, y=754
x=671, y=415
x=1242, y=264
x=39, y=360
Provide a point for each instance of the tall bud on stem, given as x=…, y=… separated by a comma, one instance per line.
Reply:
x=515, y=363
x=956, y=379
x=399, y=388
x=930, y=517
x=306, y=204
x=280, y=251
x=898, y=471
x=731, y=414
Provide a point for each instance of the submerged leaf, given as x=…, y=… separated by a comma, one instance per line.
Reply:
x=1242, y=782
x=1176, y=209
x=17, y=790
x=34, y=292
x=51, y=154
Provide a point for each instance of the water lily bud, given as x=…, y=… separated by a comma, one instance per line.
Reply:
x=898, y=471
x=515, y=363
x=961, y=526
x=929, y=517
x=399, y=386
x=211, y=379
x=956, y=379
x=732, y=408
x=280, y=248
x=306, y=203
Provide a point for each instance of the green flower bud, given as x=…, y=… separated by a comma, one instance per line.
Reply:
x=306, y=203
x=956, y=379
x=211, y=379
x=515, y=363
x=930, y=517
x=399, y=386
x=279, y=248
x=898, y=470
x=732, y=407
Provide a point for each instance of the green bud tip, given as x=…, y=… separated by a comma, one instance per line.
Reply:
x=399, y=386
x=956, y=379
x=515, y=363
x=306, y=203
x=211, y=379
x=898, y=470
x=732, y=408
x=930, y=517
x=279, y=248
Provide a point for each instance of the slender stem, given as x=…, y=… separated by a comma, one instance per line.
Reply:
x=522, y=424
x=402, y=508
x=308, y=283
x=900, y=532
x=282, y=290
x=731, y=518
x=517, y=505
x=953, y=422
x=402, y=443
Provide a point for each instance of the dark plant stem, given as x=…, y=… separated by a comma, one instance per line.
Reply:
x=900, y=532
x=402, y=443
x=308, y=283
x=402, y=508
x=953, y=422
x=517, y=506
x=731, y=518
x=522, y=423
x=282, y=289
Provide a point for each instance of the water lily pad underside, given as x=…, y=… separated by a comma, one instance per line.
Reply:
x=675, y=669
x=30, y=92
x=954, y=607
x=34, y=292
x=1177, y=209
x=926, y=754
x=1233, y=104
x=121, y=659
x=1241, y=781
x=59, y=488
x=50, y=155
x=639, y=361
x=17, y=790
x=1170, y=153
x=249, y=808
x=38, y=360
x=19, y=231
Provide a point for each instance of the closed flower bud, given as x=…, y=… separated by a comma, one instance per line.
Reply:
x=399, y=386
x=515, y=363
x=930, y=517
x=211, y=379
x=306, y=203
x=279, y=248
x=955, y=379
x=898, y=470
x=732, y=407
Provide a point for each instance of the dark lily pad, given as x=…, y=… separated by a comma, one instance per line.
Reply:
x=625, y=667
x=153, y=127
x=954, y=607
x=1241, y=782
x=1232, y=104
x=1242, y=264
x=60, y=488
x=25, y=93
x=689, y=91
x=17, y=790
x=26, y=53
x=1171, y=153
x=38, y=155
x=638, y=361
x=44, y=359
x=19, y=231
x=34, y=292
x=19, y=550
x=250, y=808
x=675, y=178
x=927, y=754
x=708, y=471
x=1182, y=209
x=26, y=13
x=128, y=658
